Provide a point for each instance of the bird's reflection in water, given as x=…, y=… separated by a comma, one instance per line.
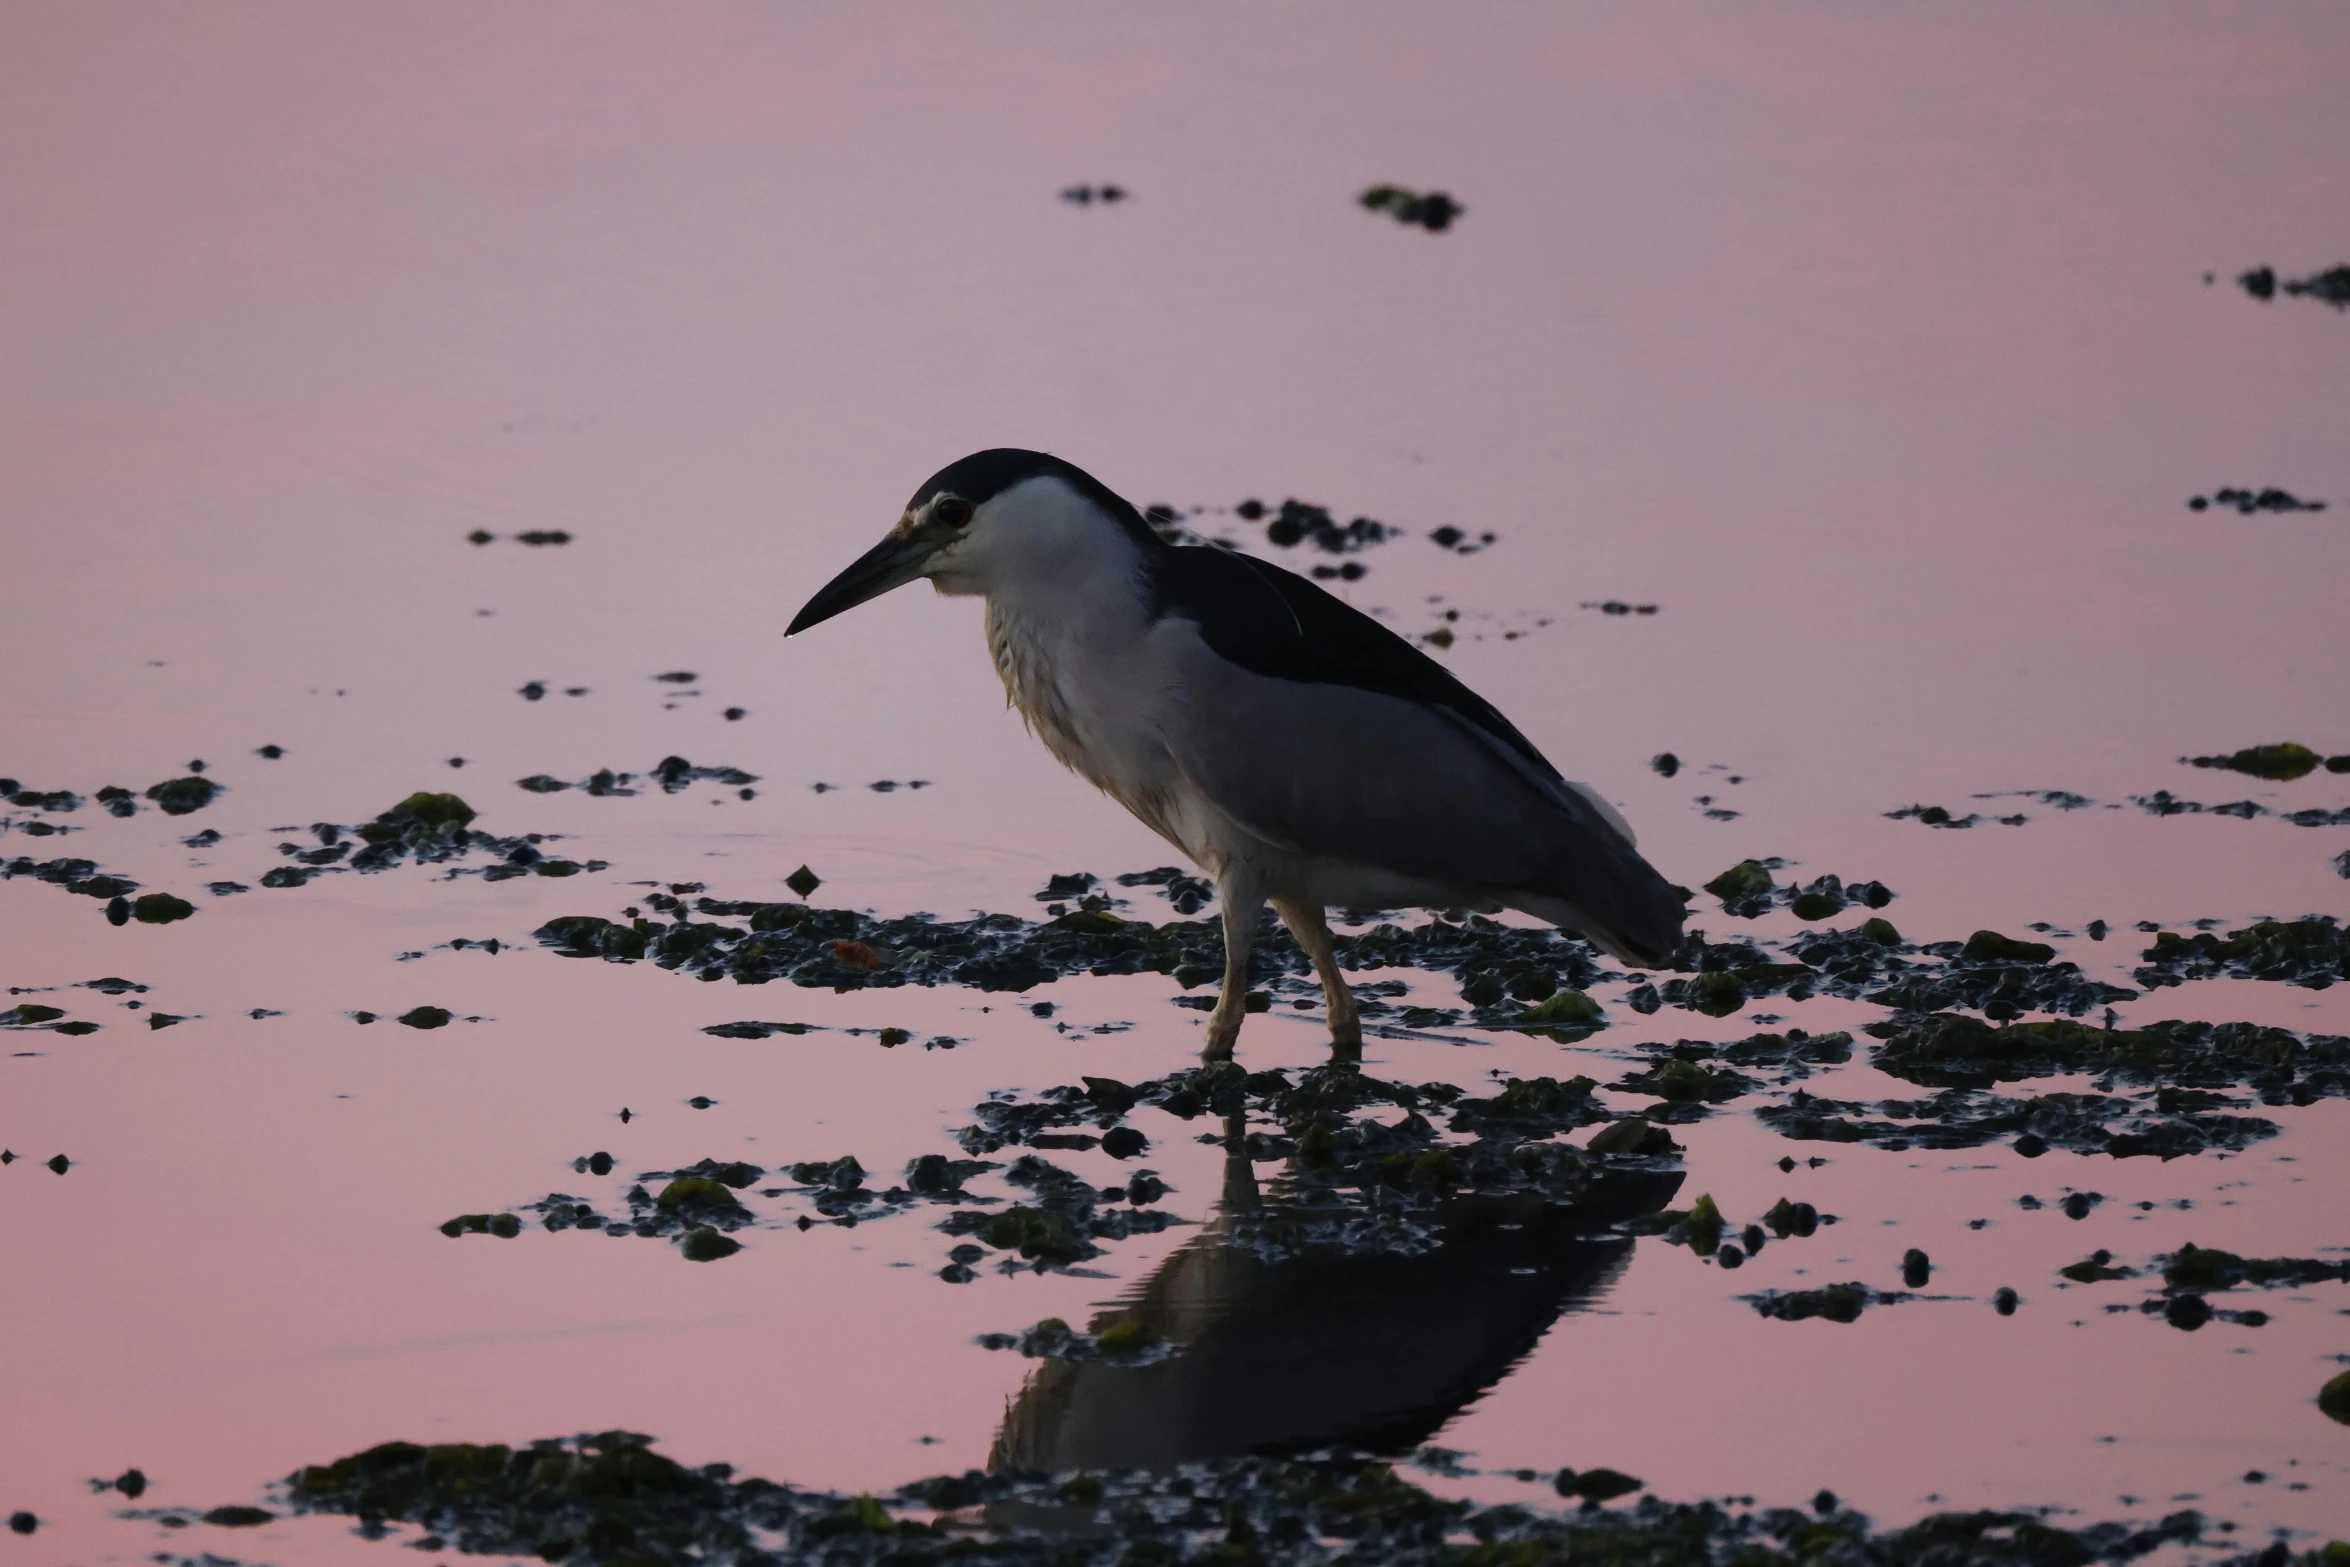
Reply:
x=1332, y=1349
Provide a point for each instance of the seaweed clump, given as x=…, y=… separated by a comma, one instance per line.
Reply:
x=1952, y=1050
x=2313, y=952
x=1433, y=210
x=2246, y=501
x=1747, y=890
x=179, y=796
x=426, y=827
x=672, y=773
x=609, y=1497
x=1503, y=969
x=2331, y=287
x=2281, y=762
x=1962, y=1056
x=1831, y=1302
x=2194, y=1267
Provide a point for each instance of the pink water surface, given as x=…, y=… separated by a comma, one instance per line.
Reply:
x=1875, y=347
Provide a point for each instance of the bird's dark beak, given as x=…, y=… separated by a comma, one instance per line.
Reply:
x=894, y=562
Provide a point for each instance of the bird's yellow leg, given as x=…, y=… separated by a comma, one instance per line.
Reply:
x=1305, y=922
x=1242, y=905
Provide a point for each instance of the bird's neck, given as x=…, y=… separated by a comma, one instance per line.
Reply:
x=1066, y=639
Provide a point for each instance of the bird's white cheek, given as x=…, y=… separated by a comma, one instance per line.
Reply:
x=953, y=580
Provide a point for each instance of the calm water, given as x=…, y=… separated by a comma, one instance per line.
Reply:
x=1876, y=351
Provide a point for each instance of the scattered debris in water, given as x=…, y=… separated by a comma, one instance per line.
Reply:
x=1434, y=210
x=2331, y=286
x=535, y=537
x=1833, y=1302
x=2249, y=501
x=2162, y=803
x=672, y=773
x=2313, y=952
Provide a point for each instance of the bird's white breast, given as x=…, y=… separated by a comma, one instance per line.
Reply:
x=1069, y=629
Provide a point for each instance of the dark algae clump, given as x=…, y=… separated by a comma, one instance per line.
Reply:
x=1432, y=210
x=2246, y=501
x=2194, y=1267
x=2313, y=952
x=1832, y=1302
x=180, y=796
x=2331, y=287
x=609, y=1498
x=2280, y=763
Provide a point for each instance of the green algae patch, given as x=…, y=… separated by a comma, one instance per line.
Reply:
x=1955, y=1050
x=2334, y=1399
x=26, y=1014
x=425, y=1017
x=423, y=809
x=2194, y=1267
x=180, y=796
x=2312, y=952
x=1705, y=1226
x=1118, y=1340
x=1832, y=1303
x=161, y=908
x=1746, y=879
x=503, y=1225
x=1566, y=1006
x=1634, y=1137
x=1431, y=210
x=703, y=1243
x=2096, y=1268
x=1989, y=946
x=694, y=1191
x=1596, y=1485
x=2279, y=763
x=1031, y=1232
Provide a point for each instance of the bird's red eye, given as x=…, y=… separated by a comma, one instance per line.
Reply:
x=952, y=510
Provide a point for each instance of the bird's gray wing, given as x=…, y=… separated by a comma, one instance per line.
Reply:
x=1340, y=772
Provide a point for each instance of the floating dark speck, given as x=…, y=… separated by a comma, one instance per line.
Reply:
x=1434, y=210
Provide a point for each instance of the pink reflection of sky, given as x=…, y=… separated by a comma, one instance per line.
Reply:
x=1871, y=346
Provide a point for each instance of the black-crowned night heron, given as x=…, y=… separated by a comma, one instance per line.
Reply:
x=1297, y=750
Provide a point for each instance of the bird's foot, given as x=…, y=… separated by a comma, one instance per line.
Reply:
x=1223, y=1032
